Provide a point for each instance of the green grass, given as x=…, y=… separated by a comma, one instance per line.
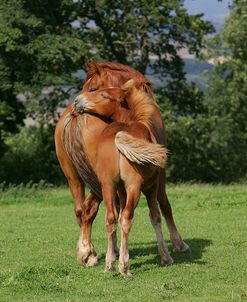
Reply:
x=38, y=236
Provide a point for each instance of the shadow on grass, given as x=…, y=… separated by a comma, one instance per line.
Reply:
x=142, y=250
x=139, y=252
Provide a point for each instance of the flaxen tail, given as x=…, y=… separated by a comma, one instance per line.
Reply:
x=140, y=151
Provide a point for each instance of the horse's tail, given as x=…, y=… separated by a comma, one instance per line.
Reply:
x=139, y=150
x=74, y=147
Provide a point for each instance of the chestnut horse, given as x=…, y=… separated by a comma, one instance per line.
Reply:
x=134, y=166
x=74, y=137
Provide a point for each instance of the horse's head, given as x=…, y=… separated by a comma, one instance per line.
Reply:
x=110, y=74
x=105, y=102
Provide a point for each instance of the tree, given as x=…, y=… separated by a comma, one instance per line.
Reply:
x=38, y=48
x=42, y=44
x=227, y=103
x=142, y=33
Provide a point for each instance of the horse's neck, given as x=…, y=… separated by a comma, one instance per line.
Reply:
x=139, y=110
x=121, y=114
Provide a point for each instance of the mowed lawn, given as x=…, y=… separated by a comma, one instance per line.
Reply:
x=38, y=235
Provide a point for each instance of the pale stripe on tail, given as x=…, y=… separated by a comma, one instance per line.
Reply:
x=139, y=150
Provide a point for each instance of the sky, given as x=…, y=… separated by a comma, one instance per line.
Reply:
x=214, y=10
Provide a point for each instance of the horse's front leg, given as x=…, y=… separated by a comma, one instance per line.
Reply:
x=86, y=254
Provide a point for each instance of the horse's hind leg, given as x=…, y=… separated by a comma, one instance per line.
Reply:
x=155, y=218
x=114, y=235
x=178, y=244
x=109, y=195
x=86, y=254
x=78, y=193
x=126, y=220
x=85, y=211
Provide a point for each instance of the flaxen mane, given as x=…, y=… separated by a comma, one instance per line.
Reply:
x=141, y=107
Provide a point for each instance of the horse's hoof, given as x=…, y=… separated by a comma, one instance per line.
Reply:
x=88, y=261
x=109, y=269
x=183, y=248
x=124, y=270
x=86, y=255
x=167, y=262
x=92, y=260
x=125, y=274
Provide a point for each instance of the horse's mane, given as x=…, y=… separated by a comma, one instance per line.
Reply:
x=118, y=74
x=141, y=107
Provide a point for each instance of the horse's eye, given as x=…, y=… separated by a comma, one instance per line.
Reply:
x=91, y=89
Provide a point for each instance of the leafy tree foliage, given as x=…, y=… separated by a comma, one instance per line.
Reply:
x=43, y=42
x=135, y=32
x=38, y=48
x=30, y=155
x=38, y=45
x=227, y=101
x=209, y=142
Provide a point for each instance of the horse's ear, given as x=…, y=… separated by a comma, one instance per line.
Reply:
x=128, y=86
x=93, y=67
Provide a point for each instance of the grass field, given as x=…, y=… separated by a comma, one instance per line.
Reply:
x=38, y=238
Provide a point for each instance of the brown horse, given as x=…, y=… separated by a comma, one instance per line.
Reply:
x=74, y=137
x=134, y=166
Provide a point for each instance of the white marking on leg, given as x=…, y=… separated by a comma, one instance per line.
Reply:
x=110, y=258
x=86, y=255
x=124, y=250
x=164, y=253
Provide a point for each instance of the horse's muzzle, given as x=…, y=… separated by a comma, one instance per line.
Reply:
x=79, y=105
